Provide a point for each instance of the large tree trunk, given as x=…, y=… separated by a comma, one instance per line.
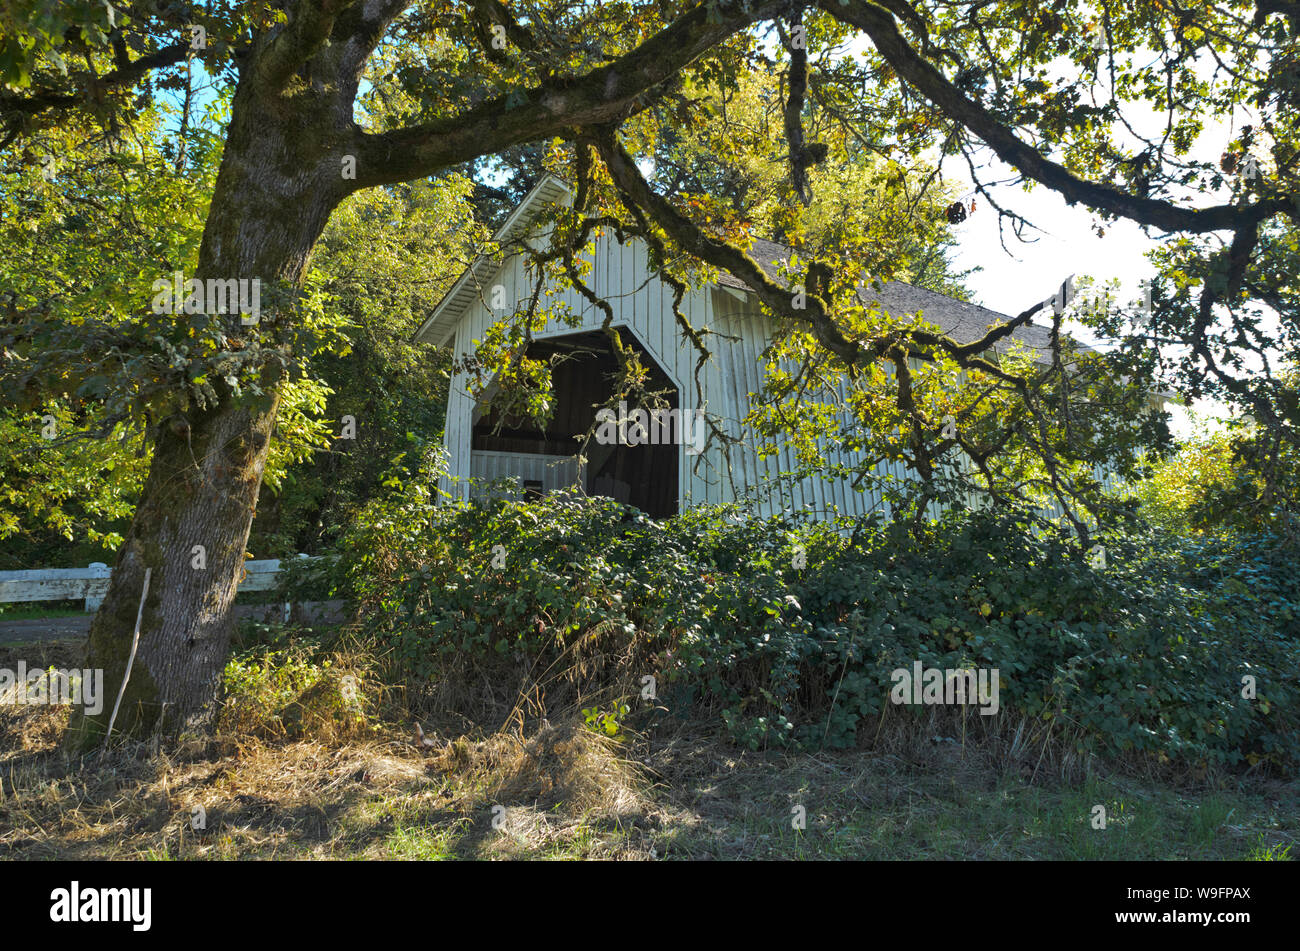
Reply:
x=201, y=491
x=278, y=183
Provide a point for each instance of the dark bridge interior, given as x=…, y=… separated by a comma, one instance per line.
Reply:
x=584, y=368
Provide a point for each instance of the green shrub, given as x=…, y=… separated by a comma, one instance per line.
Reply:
x=295, y=691
x=788, y=628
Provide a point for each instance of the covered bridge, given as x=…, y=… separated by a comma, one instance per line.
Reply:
x=660, y=479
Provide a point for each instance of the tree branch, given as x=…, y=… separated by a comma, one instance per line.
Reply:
x=358, y=30
x=604, y=94
x=815, y=313
x=309, y=26
x=124, y=76
x=688, y=236
x=488, y=13
x=930, y=82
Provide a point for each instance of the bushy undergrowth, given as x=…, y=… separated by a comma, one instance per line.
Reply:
x=789, y=629
x=296, y=690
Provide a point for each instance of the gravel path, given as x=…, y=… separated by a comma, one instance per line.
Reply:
x=31, y=630
x=45, y=629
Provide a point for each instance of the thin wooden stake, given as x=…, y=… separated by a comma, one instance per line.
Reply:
x=135, y=642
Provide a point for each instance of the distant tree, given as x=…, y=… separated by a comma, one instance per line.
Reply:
x=383, y=263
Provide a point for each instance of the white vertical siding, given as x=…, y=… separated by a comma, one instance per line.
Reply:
x=619, y=275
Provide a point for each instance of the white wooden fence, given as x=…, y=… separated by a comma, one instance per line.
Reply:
x=91, y=583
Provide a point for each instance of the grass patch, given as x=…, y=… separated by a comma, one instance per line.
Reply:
x=567, y=793
x=303, y=767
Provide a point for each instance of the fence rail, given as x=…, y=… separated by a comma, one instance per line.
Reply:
x=91, y=583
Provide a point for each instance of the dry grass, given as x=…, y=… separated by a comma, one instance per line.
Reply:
x=539, y=789
x=315, y=792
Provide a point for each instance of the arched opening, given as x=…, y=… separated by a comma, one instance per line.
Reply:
x=543, y=459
